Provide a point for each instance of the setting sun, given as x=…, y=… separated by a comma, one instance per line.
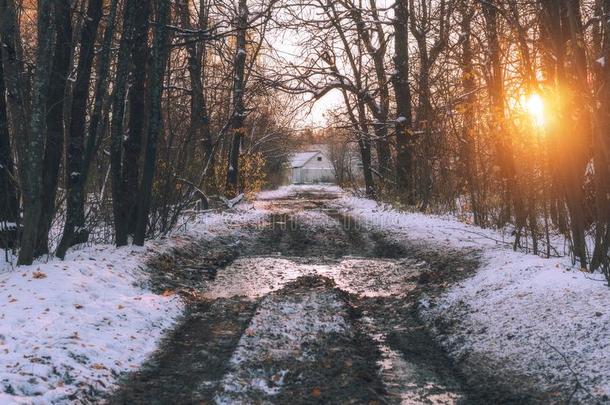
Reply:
x=534, y=105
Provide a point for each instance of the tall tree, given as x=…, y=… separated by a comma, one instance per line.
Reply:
x=137, y=113
x=379, y=108
x=32, y=148
x=160, y=51
x=602, y=148
x=116, y=131
x=239, y=109
x=404, y=118
x=467, y=137
x=503, y=141
x=563, y=24
x=199, y=126
x=17, y=101
x=9, y=204
x=79, y=156
x=53, y=150
x=429, y=25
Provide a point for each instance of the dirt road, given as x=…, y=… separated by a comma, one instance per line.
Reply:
x=312, y=307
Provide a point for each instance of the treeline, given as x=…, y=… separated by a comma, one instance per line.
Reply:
x=496, y=109
x=127, y=112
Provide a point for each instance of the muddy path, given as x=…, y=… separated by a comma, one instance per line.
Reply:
x=310, y=308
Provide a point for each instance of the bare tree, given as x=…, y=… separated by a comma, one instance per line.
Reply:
x=405, y=136
x=239, y=109
x=9, y=205
x=80, y=151
x=32, y=147
x=55, y=117
x=155, y=124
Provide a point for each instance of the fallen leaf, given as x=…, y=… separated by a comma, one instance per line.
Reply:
x=78, y=306
x=316, y=392
x=98, y=366
x=39, y=274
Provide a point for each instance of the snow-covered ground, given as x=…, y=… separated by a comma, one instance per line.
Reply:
x=286, y=191
x=68, y=328
x=539, y=318
x=280, y=330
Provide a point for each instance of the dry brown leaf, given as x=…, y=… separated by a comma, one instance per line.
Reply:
x=316, y=392
x=39, y=274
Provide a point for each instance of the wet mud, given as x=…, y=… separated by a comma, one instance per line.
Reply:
x=308, y=247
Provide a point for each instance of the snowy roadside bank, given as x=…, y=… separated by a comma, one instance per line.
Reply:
x=537, y=318
x=69, y=329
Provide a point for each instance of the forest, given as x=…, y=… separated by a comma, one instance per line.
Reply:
x=305, y=201
x=116, y=116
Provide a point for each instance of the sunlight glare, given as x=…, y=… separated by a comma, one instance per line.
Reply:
x=534, y=105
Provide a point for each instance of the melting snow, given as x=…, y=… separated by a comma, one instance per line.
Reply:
x=519, y=310
x=69, y=327
x=282, y=327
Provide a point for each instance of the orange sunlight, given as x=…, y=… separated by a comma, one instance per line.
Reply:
x=534, y=106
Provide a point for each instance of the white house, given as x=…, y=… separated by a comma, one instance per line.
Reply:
x=311, y=167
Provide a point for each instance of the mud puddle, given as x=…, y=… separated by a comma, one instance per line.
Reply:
x=302, y=346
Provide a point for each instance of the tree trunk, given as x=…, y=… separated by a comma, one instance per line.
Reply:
x=365, y=154
x=467, y=141
x=239, y=110
x=76, y=134
x=504, y=146
x=602, y=154
x=116, y=130
x=55, y=120
x=425, y=120
x=31, y=160
x=565, y=32
x=578, y=153
x=200, y=122
x=9, y=203
x=17, y=100
x=137, y=113
x=400, y=81
x=159, y=63
x=74, y=228
x=379, y=110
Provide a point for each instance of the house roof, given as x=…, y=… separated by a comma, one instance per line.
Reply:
x=300, y=159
